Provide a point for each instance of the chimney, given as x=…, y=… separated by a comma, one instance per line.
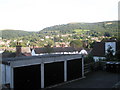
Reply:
x=33, y=46
x=18, y=49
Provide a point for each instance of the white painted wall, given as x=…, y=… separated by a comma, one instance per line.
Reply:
x=98, y=58
x=5, y=74
x=33, y=52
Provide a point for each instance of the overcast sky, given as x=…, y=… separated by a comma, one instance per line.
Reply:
x=34, y=15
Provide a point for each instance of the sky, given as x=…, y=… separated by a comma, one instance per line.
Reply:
x=34, y=15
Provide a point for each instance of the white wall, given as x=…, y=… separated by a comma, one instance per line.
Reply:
x=5, y=74
x=33, y=52
x=98, y=58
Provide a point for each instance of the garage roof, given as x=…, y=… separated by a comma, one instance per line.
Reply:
x=17, y=61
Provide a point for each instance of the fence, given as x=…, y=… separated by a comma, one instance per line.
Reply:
x=94, y=66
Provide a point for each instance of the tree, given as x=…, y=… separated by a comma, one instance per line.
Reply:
x=91, y=44
x=117, y=55
x=48, y=48
x=76, y=43
x=12, y=44
x=107, y=34
x=89, y=59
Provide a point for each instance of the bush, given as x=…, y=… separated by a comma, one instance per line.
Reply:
x=89, y=59
x=117, y=55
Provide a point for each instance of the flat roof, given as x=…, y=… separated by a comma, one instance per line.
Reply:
x=39, y=59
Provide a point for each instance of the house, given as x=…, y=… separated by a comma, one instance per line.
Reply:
x=7, y=54
x=20, y=51
x=99, y=50
x=57, y=50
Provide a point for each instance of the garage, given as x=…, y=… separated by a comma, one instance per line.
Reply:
x=74, y=69
x=54, y=73
x=43, y=71
x=27, y=77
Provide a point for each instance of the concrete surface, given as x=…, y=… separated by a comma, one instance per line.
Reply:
x=97, y=79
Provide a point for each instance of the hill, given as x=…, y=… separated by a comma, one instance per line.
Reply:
x=7, y=34
x=110, y=27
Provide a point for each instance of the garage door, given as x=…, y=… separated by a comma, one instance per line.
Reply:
x=28, y=77
x=54, y=73
x=74, y=69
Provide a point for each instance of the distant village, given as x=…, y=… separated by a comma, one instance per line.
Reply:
x=98, y=48
x=6, y=43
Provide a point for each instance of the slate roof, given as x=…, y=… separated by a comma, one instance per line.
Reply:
x=98, y=49
x=59, y=49
x=7, y=54
x=55, y=49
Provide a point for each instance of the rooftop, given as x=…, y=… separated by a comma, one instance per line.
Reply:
x=31, y=60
